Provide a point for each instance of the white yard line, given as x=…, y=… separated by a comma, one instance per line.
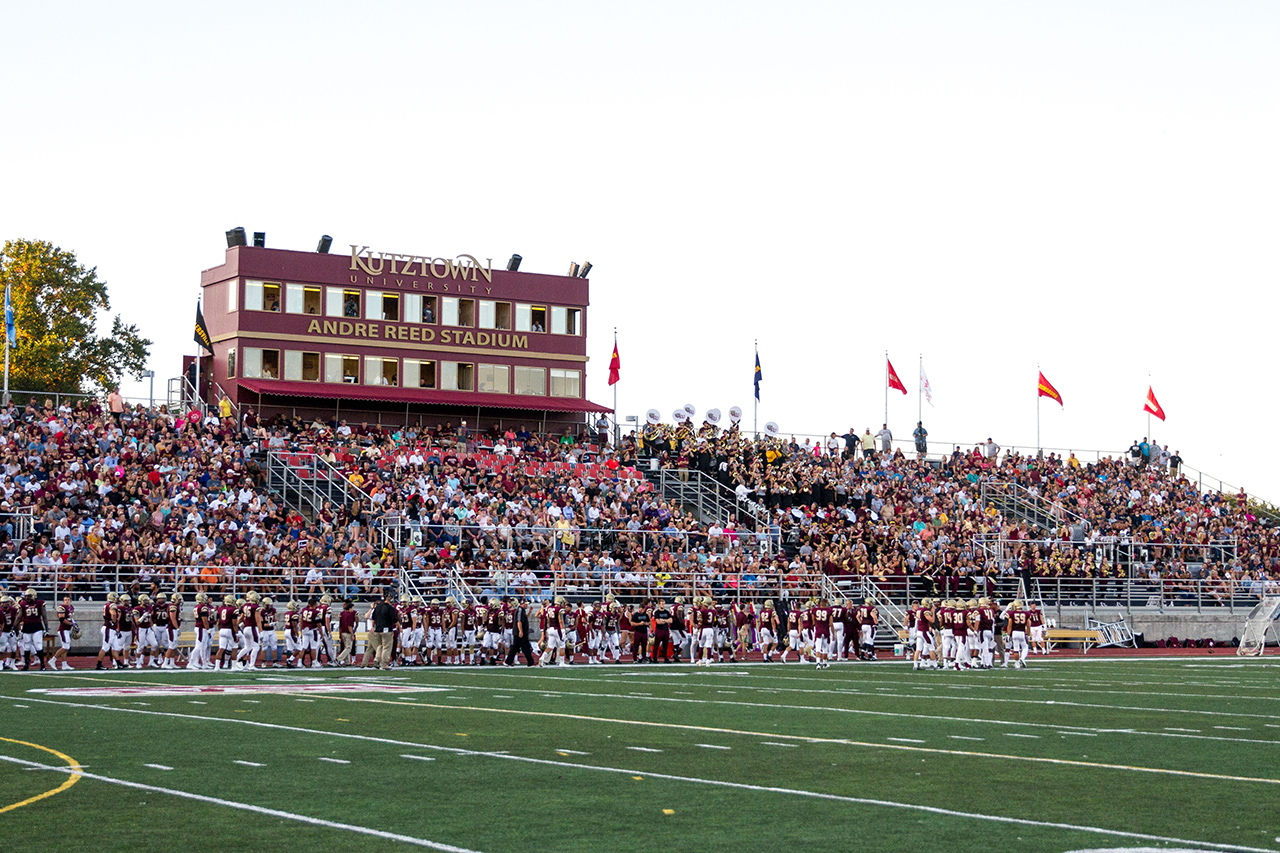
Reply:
x=962, y=737
x=158, y=766
x=1017, y=734
x=332, y=760
x=1079, y=734
x=1235, y=728
x=417, y=757
x=249, y=763
x=249, y=807
x=771, y=743
x=905, y=740
x=712, y=746
x=642, y=749
x=571, y=752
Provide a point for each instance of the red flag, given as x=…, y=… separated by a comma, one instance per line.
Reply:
x=615, y=364
x=1047, y=390
x=1153, y=406
x=894, y=381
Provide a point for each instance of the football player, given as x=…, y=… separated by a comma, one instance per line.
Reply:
x=9, y=633
x=203, y=615
x=324, y=631
x=250, y=632
x=294, y=644
x=168, y=631
x=270, y=640
x=407, y=616
x=1016, y=628
x=226, y=621
x=34, y=623
x=767, y=630
x=144, y=636
x=868, y=619
x=924, y=655
x=122, y=638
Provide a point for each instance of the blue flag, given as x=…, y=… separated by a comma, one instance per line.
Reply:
x=759, y=375
x=10, y=330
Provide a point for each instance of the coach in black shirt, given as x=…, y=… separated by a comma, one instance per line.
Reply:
x=520, y=635
x=384, y=619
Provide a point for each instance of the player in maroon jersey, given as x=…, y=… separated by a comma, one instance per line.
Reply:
x=925, y=649
x=868, y=619
x=168, y=618
x=767, y=628
x=406, y=614
x=581, y=630
x=9, y=633
x=294, y=644
x=66, y=622
x=838, y=608
x=347, y=618
x=1016, y=625
x=662, y=617
x=34, y=622
x=324, y=629
x=1036, y=635
x=203, y=615
x=704, y=627
x=960, y=635
x=820, y=622
x=225, y=617
x=250, y=632
x=270, y=639
x=123, y=636
x=143, y=635
x=108, y=627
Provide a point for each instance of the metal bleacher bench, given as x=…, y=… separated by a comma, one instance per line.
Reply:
x=1086, y=637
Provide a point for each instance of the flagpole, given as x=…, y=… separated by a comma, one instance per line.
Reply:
x=1038, y=395
x=1149, y=437
x=755, y=396
x=886, y=387
x=617, y=431
x=199, y=349
x=920, y=393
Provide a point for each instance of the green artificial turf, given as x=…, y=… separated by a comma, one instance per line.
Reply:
x=760, y=757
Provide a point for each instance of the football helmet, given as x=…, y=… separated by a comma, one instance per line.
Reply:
x=267, y=602
x=176, y=598
x=29, y=593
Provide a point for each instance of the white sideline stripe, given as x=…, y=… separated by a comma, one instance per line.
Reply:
x=962, y=737
x=495, y=697
x=332, y=760
x=868, y=712
x=572, y=752
x=712, y=746
x=252, y=701
x=249, y=763
x=304, y=700
x=417, y=757
x=788, y=745
x=217, y=801
x=1174, y=729
x=740, y=785
x=1079, y=734
x=22, y=706
x=196, y=702
x=1161, y=771
x=905, y=739
x=158, y=766
x=1235, y=728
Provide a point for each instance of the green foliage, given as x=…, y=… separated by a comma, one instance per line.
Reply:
x=56, y=303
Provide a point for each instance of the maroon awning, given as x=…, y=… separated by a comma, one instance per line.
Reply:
x=330, y=391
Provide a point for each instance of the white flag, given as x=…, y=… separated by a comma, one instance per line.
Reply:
x=925, y=387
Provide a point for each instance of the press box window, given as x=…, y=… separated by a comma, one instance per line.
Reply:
x=456, y=376
x=565, y=383
x=531, y=318
x=495, y=315
x=419, y=374
x=380, y=305
x=233, y=291
x=302, y=298
x=458, y=312
x=341, y=368
x=262, y=296
x=381, y=371
x=566, y=321
x=301, y=366
x=493, y=378
x=231, y=364
x=342, y=302
x=261, y=363
x=419, y=308
x=531, y=381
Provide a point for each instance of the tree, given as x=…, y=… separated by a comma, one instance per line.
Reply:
x=56, y=304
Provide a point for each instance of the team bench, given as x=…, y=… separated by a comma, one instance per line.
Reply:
x=1087, y=638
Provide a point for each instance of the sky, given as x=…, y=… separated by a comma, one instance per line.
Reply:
x=1086, y=188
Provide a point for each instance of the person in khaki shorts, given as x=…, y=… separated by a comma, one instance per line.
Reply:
x=382, y=631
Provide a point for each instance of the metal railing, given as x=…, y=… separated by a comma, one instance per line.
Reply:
x=1015, y=500
x=1126, y=556
x=709, y=499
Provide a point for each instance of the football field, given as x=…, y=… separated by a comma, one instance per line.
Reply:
x=1070, y=754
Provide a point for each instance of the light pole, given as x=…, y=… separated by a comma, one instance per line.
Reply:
x=151, y=401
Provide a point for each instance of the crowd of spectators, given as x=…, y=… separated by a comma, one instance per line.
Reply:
x=97, y=500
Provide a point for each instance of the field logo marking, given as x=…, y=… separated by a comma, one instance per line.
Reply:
x=72, y=764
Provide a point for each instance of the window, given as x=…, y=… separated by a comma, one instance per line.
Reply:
x=261, y=363
x=458, y=312
x=495, y=315
x=531, y=318
x=566, y=321
x=342, y=302
x=341, y=368
x=456, y=376
x=532, y=381
x=493, y=378
x=564, y=383
x=301, y=366
x=419, y=308
x=231, y=363
x=262, y=296
x=380, y=305
x=381, y=371
x=419, y=374
x=233, y=290
x=302, y=298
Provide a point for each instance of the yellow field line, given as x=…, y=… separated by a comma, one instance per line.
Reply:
x=71, y=780
x=840, y=741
